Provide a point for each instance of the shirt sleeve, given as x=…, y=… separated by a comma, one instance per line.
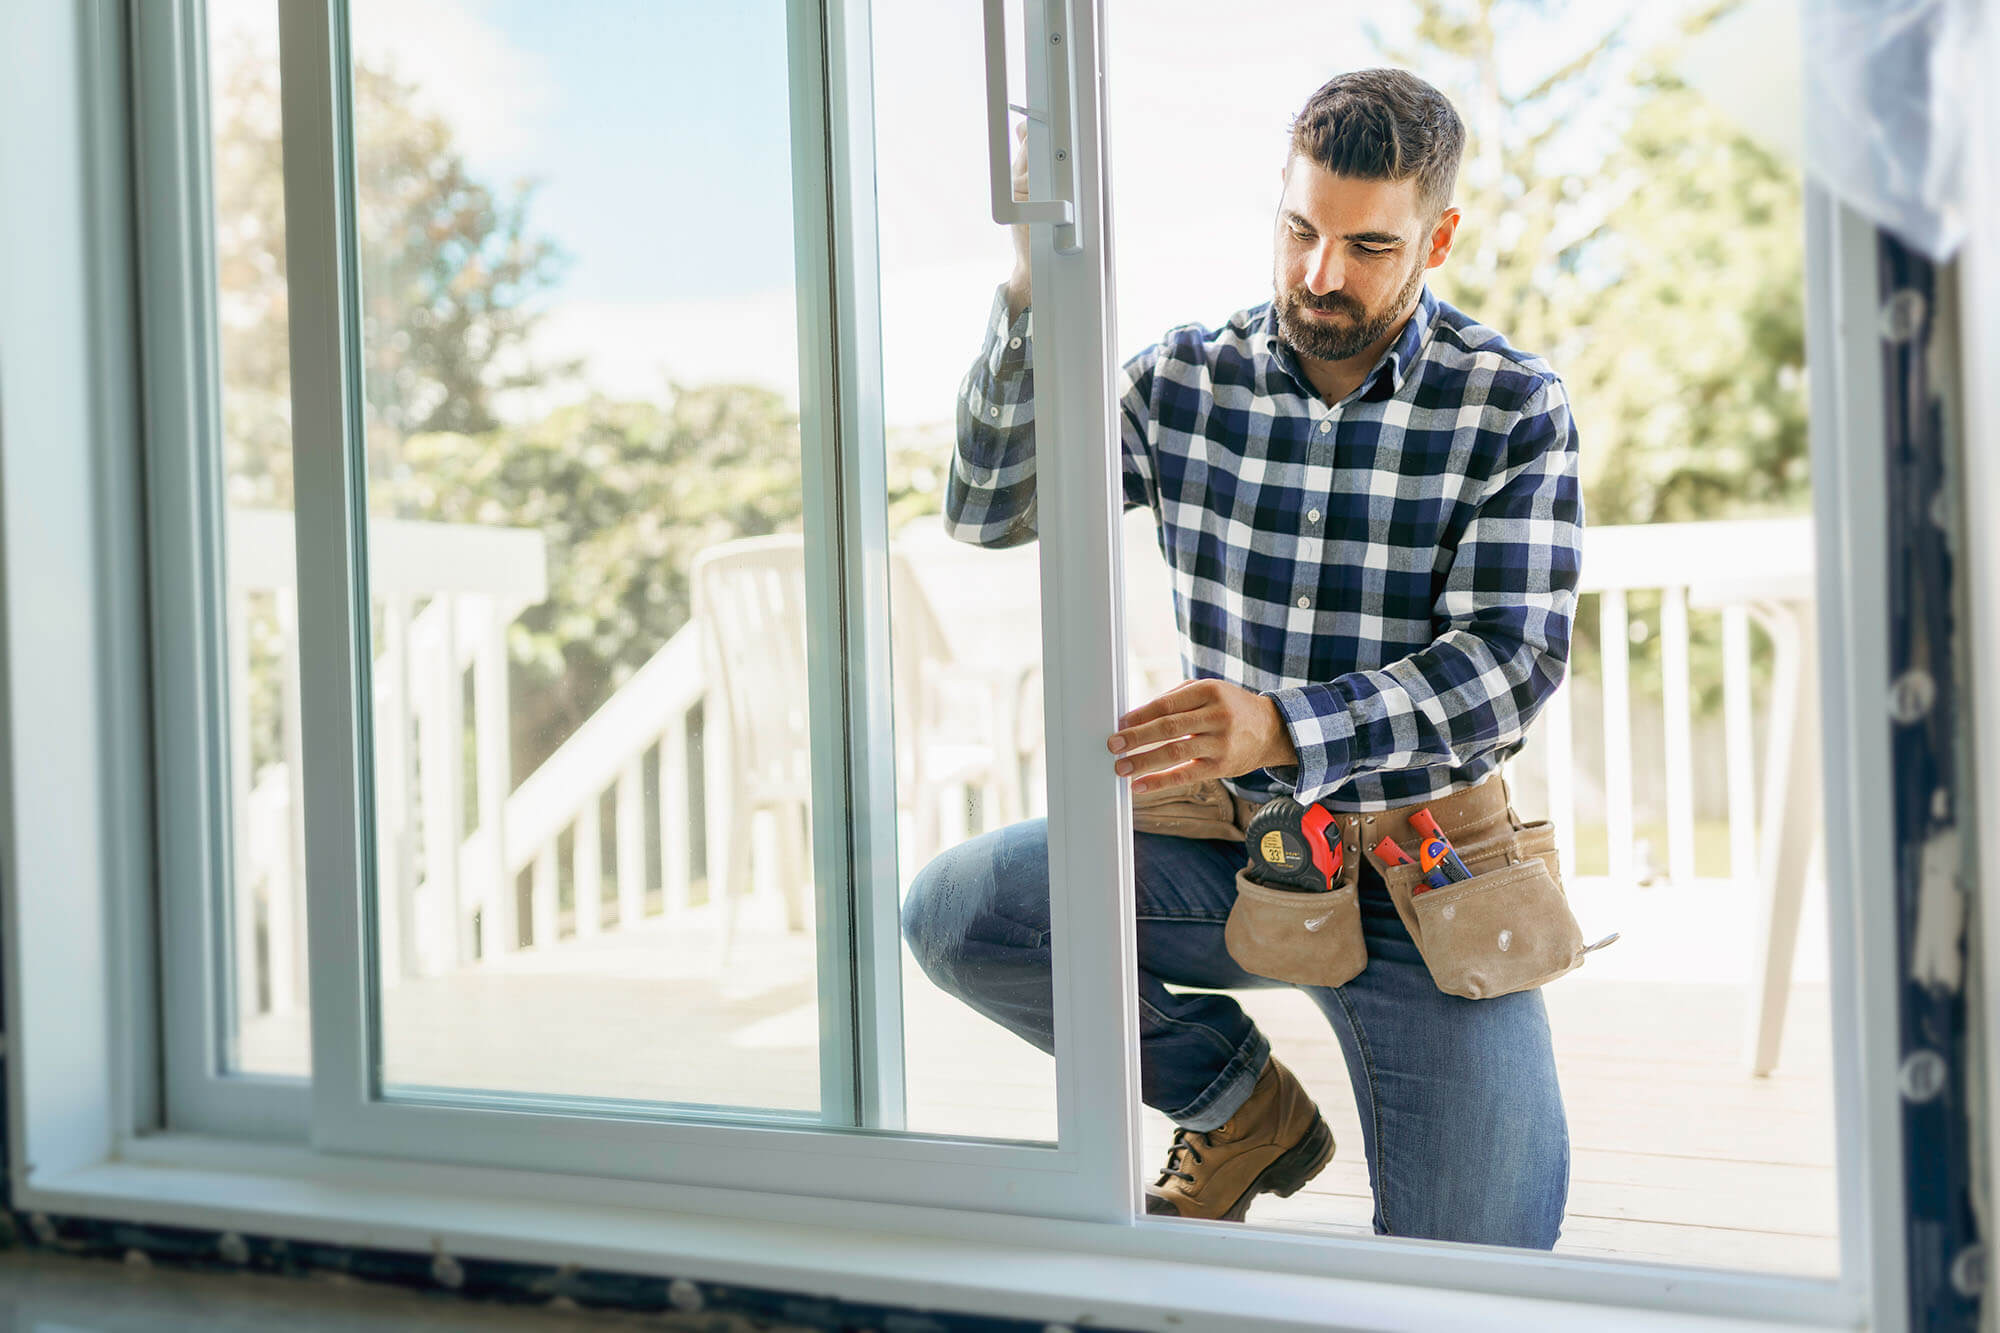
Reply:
x=989, y=497
x=1507, y=606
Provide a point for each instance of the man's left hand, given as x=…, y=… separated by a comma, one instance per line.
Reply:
x=1202, y=729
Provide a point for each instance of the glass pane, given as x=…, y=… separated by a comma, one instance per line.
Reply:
x=966, y=604
x=586, y=501
x=264, y=1004
x=1631, y=212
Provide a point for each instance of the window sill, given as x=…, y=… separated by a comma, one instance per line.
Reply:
x=1067, y=1273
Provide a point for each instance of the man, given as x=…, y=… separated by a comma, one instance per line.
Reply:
x=1370, y=505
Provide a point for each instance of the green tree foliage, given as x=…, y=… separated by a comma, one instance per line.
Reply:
x=1615, y=223
x=450, y=273
x=1692, y=372
x=625, y=494
x=453, y=281
x=450, y=280
x=1662, y=278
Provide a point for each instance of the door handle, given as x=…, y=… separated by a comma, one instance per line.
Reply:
x=1054, y=44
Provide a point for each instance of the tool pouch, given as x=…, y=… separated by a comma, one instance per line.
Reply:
x=1508, y=928
x=1205, y=810
x=1308, y=939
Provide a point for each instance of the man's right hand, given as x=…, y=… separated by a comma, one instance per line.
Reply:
x=1019, y=286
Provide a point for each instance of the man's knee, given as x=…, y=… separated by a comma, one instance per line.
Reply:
x=973, y=911
x=928, y=927
x=1506, y=1184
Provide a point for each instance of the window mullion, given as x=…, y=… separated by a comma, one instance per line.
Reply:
x=189, y=584
x=332, y=560
x=838, y=746
x=1080, y=496
x=833, y=145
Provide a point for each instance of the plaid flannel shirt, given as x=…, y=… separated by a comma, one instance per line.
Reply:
x=1396, y=571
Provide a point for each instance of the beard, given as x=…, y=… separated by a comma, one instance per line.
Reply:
x=1325, y=340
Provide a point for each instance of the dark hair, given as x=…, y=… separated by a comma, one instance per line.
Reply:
x=1384, y=124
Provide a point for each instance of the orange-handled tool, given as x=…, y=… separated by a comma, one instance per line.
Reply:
x=1427, y=827
x=1392, y=853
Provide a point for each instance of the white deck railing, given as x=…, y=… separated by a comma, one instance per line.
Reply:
x=1743, y=571
x=445, y=595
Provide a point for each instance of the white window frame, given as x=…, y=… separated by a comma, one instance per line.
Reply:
x=181, y=396
x=80, y=1098
x=1078, y=1174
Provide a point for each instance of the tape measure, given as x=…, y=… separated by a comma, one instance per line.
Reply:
x=1289, y=847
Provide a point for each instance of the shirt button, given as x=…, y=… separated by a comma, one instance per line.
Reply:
x=1304, y=602
x=992, y=411
x=1312, y=515
x=1014, y=342
x=1325, y=426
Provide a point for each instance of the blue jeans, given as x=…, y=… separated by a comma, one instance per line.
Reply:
x=1461, y=1117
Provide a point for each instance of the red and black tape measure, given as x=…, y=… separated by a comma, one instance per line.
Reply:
x=1289, y=847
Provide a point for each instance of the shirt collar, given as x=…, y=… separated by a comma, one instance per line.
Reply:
x=1385, y=378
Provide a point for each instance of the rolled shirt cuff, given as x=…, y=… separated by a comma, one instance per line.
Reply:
x=1322, y=732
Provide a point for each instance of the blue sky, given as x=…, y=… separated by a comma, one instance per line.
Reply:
x=663, y=138
x=661, y=132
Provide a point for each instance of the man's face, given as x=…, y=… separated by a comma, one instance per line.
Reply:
x=1350, y=256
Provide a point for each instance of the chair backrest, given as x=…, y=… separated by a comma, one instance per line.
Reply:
x=749, y=599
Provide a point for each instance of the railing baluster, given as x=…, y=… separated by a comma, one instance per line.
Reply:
x=1739, y=742
x=1679, y=717
x=1614, y=634
x=630, y=844
x=542, y=892
x=588, y=856
x=440, y=739
x=286, y=909
x=401, y=884
x=249, y=967
x=676, y=835
x=464, y=897
x=490, y=740
x=388, y=795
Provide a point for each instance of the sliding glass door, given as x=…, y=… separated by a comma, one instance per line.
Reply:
x=672, y=638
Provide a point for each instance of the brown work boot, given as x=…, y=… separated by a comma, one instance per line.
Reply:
x=1274, y=1143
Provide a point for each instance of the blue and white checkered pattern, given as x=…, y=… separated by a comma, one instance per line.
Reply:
x=1397, y=571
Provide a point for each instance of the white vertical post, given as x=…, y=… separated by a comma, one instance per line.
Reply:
x=441, y=742
x=502, y=933
x=285, y=923
x=587, y=857
x=542, y=897
x=462, y=896
x=401, y=883
x=676, y=837
x=1614, y=633
x=631, y=844
x=389, y=742
x=1739, y=742
x=244, y=913
x=1679, y=716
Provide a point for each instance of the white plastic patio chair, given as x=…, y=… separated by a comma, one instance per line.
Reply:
x=749, y=599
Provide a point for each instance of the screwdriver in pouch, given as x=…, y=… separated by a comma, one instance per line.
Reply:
x=1289, y=848
x=1427, y=828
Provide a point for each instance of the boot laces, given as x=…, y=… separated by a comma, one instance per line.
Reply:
x=1178, y=1155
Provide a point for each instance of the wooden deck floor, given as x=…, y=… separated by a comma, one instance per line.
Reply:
x=1678, y=1154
